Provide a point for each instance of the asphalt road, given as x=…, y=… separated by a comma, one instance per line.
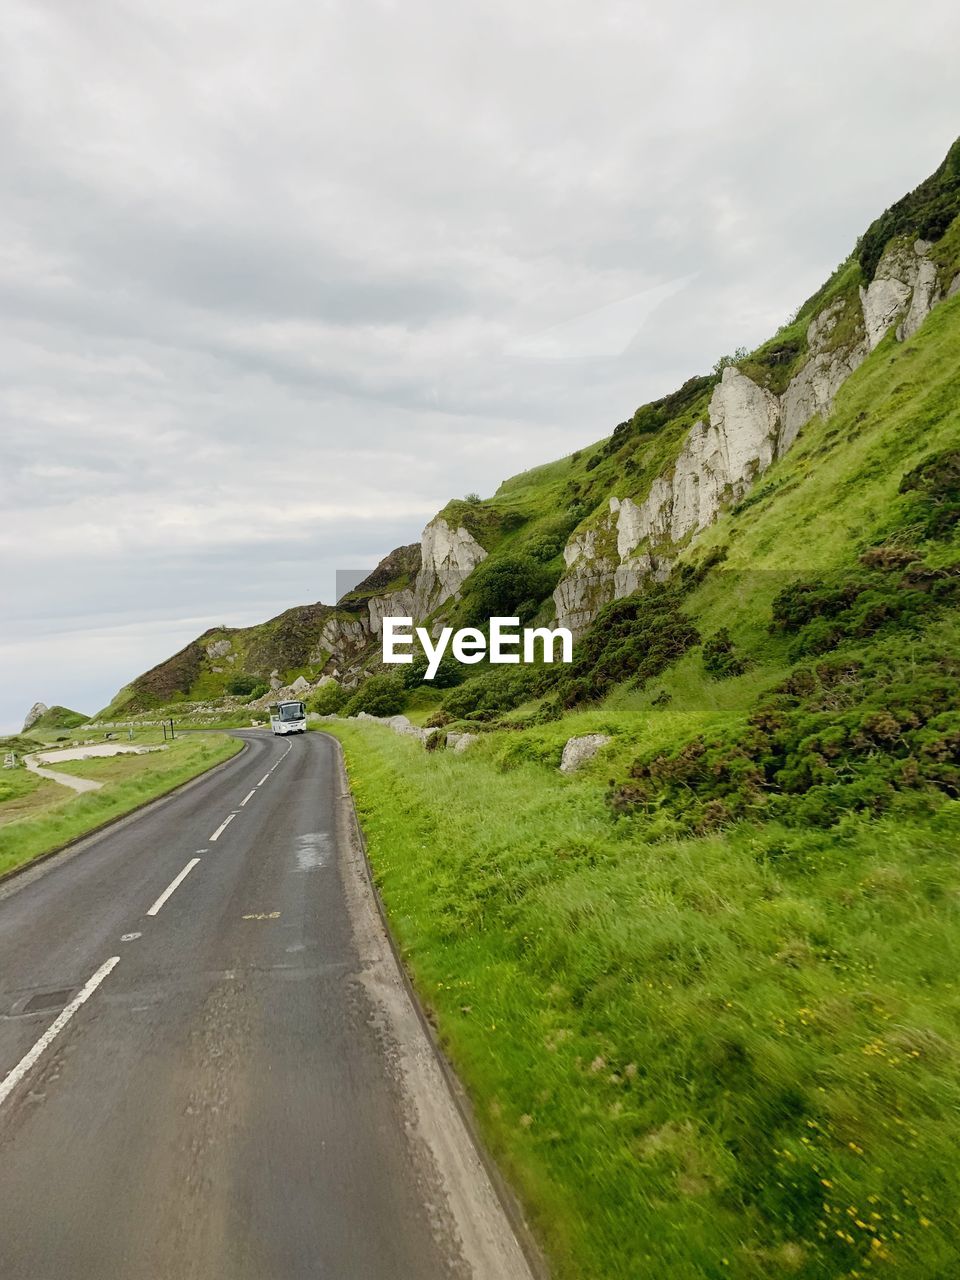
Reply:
x=227, y=1080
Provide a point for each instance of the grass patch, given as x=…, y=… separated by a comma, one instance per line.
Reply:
x=47, y=822
x=726, y=1056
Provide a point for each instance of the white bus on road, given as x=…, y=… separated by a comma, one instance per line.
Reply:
x=288, y=717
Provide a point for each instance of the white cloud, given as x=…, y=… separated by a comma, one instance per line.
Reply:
x=370, y=255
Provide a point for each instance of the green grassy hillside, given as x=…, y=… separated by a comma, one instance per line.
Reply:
x=232, y=660
x=704, y=992
x=57, y=719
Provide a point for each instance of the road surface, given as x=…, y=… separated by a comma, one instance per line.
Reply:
x=209, y=1065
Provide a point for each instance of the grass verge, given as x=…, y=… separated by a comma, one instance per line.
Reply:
x=733, y=1055
x=54, y=822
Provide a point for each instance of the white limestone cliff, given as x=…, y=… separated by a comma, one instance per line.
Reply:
x=813, y=389
x=747, y=429
x=904, y=285
x=447, y=557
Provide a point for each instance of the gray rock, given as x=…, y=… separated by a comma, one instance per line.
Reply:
x=219, y=648
x=904, y=285
x=578, y=750
x=813, y=389
x=33, y=715
x=460, y=742
x=300, y=685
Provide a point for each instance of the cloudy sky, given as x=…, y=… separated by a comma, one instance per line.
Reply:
x=276, y=280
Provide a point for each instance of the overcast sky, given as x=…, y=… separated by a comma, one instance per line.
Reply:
x=277, y=280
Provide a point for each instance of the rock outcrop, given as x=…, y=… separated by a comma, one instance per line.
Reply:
x=904, y=284
x=447, y=557
x=343, y=636
x=33, y=715
x=588, y=583
x=578, y=751
x=813, y=389
x=747, y=428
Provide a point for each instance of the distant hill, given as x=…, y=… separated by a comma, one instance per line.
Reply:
x=55, y=718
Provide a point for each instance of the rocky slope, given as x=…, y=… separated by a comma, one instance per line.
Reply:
x=608, y=519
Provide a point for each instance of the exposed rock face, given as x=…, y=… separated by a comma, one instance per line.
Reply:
x=460, y=742
x=300, y=685
x=219, y=649
x=813, y=390
x=343, y=636
x=905, y=283
x=925, y=296
x=747, y=428
x=398, y=604
x=33, y=715
x=447, y=557
x=588, y=583
x=954, y=286
x=578, y=751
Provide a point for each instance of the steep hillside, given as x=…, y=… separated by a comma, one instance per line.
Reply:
x=703, y=992
x=575, y=534
x=307, y=641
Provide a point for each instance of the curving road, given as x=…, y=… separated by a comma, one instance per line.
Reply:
x=209, y=1065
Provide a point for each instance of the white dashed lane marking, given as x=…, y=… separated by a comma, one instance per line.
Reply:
x=222, y=827
x=173, y=886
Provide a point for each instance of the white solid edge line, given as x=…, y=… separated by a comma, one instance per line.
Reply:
x=222, y=827
x=247, y=797
x=263, y=779
x=13, y=1078
x=172, y=886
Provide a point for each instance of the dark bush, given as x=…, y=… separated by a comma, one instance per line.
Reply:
x=240, y=685
x=854, y=604
x=377, y=696
x=508, y=586
x=328, y=699
x=935, y=487
x=631, y=639
x=448, y=673
x=486, y=695
x=831, y=739
x=720, y=658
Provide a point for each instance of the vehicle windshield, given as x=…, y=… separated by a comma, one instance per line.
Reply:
x=291, y=711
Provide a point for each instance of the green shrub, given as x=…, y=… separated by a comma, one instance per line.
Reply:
x=842, y=736
x=631, y=639
x=377, y=696
x=328, y=699
x=449, y=672
x=241, y=685
x=484, y=696
x=884, y=595
x=508, y=586
x=934, y=486
x=720, y=659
